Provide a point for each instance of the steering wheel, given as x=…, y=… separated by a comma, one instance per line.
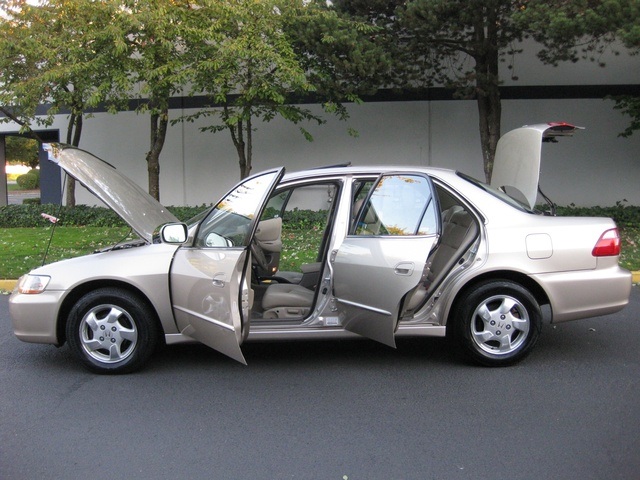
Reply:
x=258, y=256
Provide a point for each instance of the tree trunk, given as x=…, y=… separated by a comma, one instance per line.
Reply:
x=159, y=123
x=248, y=166
x=489, y=109
x=237, y=135
x=74, y=132
x=487, y=89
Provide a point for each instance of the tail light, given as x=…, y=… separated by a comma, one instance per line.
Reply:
x=608, y=245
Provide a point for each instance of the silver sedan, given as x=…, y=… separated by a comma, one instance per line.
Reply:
x=389, y=252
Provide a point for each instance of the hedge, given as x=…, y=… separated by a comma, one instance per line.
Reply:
x=623, y=215
x=12, y=216
x=25, y=215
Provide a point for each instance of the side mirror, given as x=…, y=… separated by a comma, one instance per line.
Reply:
x=174, y=233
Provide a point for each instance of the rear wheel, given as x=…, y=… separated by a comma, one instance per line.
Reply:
x=112, y=330
x=497, y=322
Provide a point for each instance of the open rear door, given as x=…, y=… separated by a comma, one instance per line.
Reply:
x=211, y=279
x=384, y=256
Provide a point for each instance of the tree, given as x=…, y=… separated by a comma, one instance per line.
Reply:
x=245, y=56
x=21, y=151
x=154, y=32
x=460, y=44
x=64, y=55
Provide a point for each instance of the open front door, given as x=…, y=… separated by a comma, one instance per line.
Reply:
x=384, y=256
x=211, y=279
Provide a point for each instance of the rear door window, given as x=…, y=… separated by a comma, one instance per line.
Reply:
x=398, y=205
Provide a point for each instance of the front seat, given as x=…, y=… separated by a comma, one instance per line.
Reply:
x=285, y=300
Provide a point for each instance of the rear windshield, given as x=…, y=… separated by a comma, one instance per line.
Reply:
x=499, y=194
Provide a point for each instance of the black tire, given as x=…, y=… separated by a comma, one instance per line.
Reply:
x=112, y=330
x=497, y=322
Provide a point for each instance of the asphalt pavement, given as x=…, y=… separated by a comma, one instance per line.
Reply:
x=330, y=410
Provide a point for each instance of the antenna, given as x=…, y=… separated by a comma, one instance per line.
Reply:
x=56, y=218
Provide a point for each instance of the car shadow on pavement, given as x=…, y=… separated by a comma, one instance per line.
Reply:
x=307, y=354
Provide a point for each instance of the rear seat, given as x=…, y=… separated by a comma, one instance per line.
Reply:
x=459, y=230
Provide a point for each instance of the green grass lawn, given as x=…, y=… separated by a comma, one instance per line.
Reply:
x=22, y=249
x=630, y=257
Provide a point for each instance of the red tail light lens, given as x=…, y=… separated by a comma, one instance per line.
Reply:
x=608, y=245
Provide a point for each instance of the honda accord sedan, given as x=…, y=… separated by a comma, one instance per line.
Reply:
x=393, y=252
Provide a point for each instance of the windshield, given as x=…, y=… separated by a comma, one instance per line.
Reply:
x=229, y=222
x=498, y=194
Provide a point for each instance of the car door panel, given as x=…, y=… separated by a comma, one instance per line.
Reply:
x=372, y=275
x=210, y=281
x=210, y=296
x=385, y=254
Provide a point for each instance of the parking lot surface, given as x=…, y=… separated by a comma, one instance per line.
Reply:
x=330, y=410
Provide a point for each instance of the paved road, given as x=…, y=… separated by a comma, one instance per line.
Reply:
x=352, y=409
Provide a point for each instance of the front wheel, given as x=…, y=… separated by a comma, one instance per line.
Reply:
x=497, y=322
x=112, y=330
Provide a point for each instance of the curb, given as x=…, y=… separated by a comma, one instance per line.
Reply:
x=9, y=285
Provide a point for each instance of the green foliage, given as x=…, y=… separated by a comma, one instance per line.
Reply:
x=35, y=70
x=21, y=151
x=630, y=106
x=185, y=213
x=304, y=219
x=13, y=216
x=624, y=215
x=580, y=29
x=260, y=60
x=30, y=180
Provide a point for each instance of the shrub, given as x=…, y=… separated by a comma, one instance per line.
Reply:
x=30, y=180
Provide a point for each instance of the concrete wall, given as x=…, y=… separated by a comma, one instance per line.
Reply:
x=596, y=167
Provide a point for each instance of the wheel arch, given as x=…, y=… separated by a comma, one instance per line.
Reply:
x=80, y=290
x=517, y=277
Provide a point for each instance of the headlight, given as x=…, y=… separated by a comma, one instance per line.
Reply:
x=33, y=284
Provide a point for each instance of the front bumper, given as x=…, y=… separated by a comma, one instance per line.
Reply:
x=34, y=317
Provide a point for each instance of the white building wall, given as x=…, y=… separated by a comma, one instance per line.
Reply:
x=596, y=167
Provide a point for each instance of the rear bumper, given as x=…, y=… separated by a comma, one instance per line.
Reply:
x=34, y=317
x=587, y=293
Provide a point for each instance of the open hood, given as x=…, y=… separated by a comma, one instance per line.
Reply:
x=517, y=160
x=141, y=211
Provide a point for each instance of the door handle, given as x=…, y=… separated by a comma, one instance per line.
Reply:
x=217, y=281
x=404, y=268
